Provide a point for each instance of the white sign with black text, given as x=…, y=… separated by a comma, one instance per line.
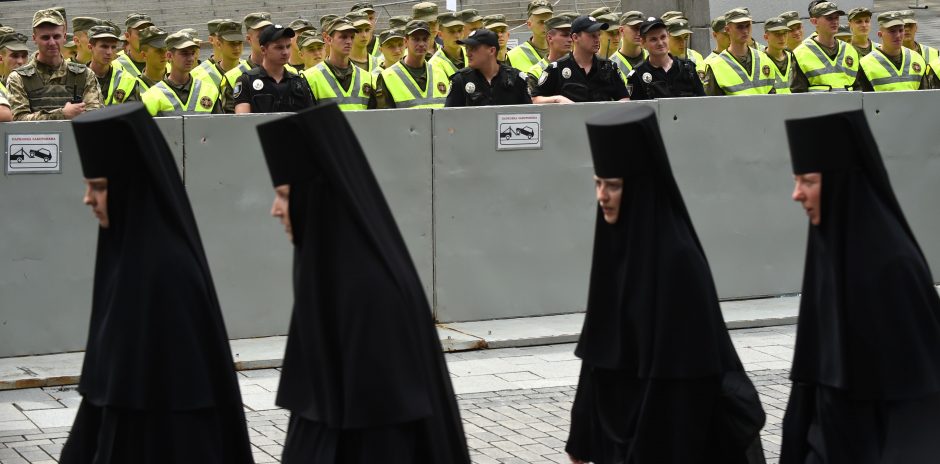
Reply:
x=32, y=153
x=518, y=131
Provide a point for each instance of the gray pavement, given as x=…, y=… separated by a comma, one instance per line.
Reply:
x=514, y=402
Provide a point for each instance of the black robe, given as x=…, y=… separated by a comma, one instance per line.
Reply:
x=364, y=374
x=658, y=365
x=866, y=367
x=158, y=380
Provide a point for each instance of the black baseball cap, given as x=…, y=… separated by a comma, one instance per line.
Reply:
x=650, y=24
x=481, y=37
x=585, y=23
x=274, y=32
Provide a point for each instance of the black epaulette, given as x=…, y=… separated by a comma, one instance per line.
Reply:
x=465, y=71
x=255, y=71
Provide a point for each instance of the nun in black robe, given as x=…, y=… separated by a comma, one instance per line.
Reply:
x=158, y=383
x=866, y=366
x=364, y=375
x=660, y=380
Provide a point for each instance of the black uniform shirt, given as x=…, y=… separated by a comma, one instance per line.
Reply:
x=564, y=77
x=468, y=87
x=648, y=82
x=265, y=95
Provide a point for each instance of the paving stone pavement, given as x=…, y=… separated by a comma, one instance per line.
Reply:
x=515, y=403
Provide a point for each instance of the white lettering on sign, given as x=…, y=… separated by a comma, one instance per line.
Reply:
x=518, y=131
x=32, y=153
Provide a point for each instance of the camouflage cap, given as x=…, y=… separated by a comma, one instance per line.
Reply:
x=570, y=14
x=792, y=18
x=137, y=20
x=467, y=16
x=69, y=41
x=599, y=12
x=190, y=32
x=153, y=36
x=300, y=25
x=776, y=24
x=4, y=30
x=325, y=21
x=448, y=19
x=539, y=7
x=417, y=25
x=365, y=6
x=496, y=20
x=719, y=23
x=678, y=27
x=398, y=22
x=857, y=12
x=309, y=38
x=889, y=19
x=604, y=15
x=48, y=16
x=14, y=41
x=358, y=18
x=824, y=9
x=390, y=34
x=257, y=20
x=632, y=18
x=84, y=23
x=230, y=30
x=738, y=15
x=179, y=41
x=340, y=24
x=558, y=22
x=424, y=11
x=61, y=10
x=908, y=16
x=843, y=31
x=213, y=26
x=671, y=15
x=104, y=31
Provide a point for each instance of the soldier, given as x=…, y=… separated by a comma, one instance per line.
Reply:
x=369, y=10
x=610, y=37
x=631, y=52
x=360, y=55
x=212, y=26
x=324, y=25
x=776, y=32
x=860, y=25
x=412, y=82
x=825, y=64
x=116, y=85
x=450, y=57
x=311, y=48
x=795, y=38
x=152, y=42
x=529, y=53
x=497, y=23
x=680, y=34
x=337, y=79
x=50, y=87
x=471, y=19
x=131, y=58
x=272, y=87
x=559, y=45
x=393, y=48
x=398, y=22
x=179, y=93
x=68, y=48
x=722, y=39
x=13, y=53
x=485, y=82
x=5, y=114
x=80, y=27
x=662, y=75
x=427, y=12
x=581, y=76
x=890, y=66
x=229, y=46
x=739, y=69
x=910, y=37
x=299, y=26
x=844, y=34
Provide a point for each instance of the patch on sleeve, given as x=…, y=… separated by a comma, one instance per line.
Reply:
x=237, y=90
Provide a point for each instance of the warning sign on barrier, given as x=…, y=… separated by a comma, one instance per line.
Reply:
x=32, y=153
x=518, y=131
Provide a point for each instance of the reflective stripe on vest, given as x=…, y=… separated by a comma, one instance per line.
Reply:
x=448, y=66
x=209, y=70
x=418, y=98
x=783, y=80
x=352, y=100
x=830, y=74
x=528, y=52
x=753, y=84
x=885, y=77
x=126, y=63
x=120, y=80
x=175, y=101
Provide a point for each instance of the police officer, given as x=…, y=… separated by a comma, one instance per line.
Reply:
x=50, y=87
x=299, y=25
x=272, y=87
x=776, y=32
x=795, y=37
x=80, y=27
x=131, y=58
x=559, y=45
x=337, y=79
x=526, y=55
x=825, y=64
x=740, y=69
x=116, y=85
x=860, y=25
x=891, y=66
x=228, y=43
x=662, y=75
x=254, y=23
x=485, y=82
x=152, y=42
x=13, y=53
x=631, y=52
x=412, y=82
x=179, y=93
x=450, y=57
x=581, y=76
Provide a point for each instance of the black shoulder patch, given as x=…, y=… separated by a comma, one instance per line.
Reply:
x=253, y=71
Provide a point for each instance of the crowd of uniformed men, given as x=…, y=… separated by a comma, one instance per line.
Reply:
x=434, y=59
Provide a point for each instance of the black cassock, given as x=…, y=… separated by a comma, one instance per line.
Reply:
x=660, y=380
x=364, y=374
x=866, y=367
x=158, y=381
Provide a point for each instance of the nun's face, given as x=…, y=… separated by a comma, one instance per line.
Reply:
x=96, y=196
x=280, y=208
x=807, y=193
x=608, y=193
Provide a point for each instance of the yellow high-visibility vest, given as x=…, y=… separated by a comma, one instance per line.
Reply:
x=326, y=87
x=735, y=80
x=823, y=73
x=523, y=57
x=884, y=77
x=624, y=65
x=444, y=64
x=160, y=99
x=122, y=84
x=406, y=93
